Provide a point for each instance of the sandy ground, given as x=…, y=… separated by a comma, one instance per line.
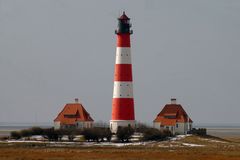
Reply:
x=190, y=147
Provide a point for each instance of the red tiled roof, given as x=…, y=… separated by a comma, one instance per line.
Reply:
x=73, y=112
x=168, y=122
x=171, y=114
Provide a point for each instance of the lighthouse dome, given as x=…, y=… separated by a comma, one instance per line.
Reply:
x=124, y=17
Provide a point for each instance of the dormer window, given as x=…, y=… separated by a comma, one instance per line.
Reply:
x=70, y=116
x=170, y=115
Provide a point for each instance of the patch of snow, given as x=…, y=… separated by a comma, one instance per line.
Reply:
x=216, y=141
x=63, y=142
x=37, y=138
x=212, y=140
x=169, y=145
x=179, y=137
x=23, y=141
x=192, y=145
x=87, y=144
x=114, y=144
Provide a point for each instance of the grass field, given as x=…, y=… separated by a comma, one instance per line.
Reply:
x=188, y=148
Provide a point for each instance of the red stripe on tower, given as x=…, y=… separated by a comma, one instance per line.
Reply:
x=123, y=40
x=123, y=72
x=123, y=101
x=123, y=109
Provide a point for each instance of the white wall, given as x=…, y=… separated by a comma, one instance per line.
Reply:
x=181, y=129
x=79, y=124
x=156, y=125
x=57, y=125
x=84, y=124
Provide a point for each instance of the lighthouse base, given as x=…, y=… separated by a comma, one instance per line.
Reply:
x=114, y=124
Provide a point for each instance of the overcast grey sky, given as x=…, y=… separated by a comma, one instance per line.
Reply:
x=52, y=51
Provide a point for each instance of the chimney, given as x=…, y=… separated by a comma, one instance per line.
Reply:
x=76, y=100
x=173, y=101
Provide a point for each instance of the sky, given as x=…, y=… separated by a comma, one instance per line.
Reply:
x=53, y=51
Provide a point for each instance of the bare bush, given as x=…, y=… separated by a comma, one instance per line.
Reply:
x=15, y=135
x=124, y=133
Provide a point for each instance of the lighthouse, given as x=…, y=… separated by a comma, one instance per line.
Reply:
x=123, y=101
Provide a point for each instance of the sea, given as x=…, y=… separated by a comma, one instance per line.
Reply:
x=215, y=129
x=6, y=128
x=221, y=130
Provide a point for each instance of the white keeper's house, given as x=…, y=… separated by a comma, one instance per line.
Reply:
x=73, y=115
x=174, y=118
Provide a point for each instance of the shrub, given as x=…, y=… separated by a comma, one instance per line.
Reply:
x=90, y=134
x=36, y=131
x=152, y=134
x=166, y=133
x=141, y=127
x=108, y=134
x=15, y=135
x=199, y=131
x=26, y=133
x=3, y=138
x=155, y=134
x=60, y=133
x=102, y=133
x=71, y=133
x=51, y=134
x=124, y=133
x=96, y=134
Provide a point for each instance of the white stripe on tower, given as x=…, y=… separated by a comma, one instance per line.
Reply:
x=122, y=89
x=123, y=55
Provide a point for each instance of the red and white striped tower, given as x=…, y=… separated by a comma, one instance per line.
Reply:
x=123, y=102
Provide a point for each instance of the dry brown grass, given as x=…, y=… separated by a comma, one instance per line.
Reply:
x=233, y=139
x=212, y=151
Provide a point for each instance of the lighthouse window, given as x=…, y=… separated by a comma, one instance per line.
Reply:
x=176, y=125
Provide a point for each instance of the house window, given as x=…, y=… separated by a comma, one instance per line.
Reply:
x=176, y=125
x=80, y=125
